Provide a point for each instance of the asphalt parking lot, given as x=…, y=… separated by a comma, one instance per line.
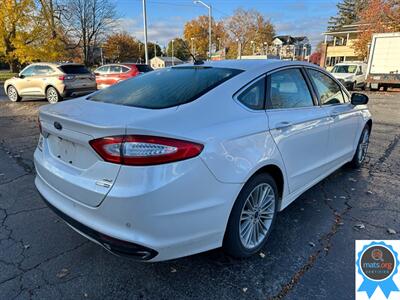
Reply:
x=310, y=254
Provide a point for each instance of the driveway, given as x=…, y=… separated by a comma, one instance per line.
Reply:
x=310, y=254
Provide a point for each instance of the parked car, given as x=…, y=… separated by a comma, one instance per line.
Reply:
x=110, y=74
x=384, y=61
x=52, y=81
x=190, y=158
x=351, y=74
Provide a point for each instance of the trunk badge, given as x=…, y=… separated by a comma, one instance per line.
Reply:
x=57, y=126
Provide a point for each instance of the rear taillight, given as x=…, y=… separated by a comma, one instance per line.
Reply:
x=142, y=150
x=66, y=77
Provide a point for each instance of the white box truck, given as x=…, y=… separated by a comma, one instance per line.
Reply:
x=384, y=61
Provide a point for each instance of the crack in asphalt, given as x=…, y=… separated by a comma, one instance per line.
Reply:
x=324, y=243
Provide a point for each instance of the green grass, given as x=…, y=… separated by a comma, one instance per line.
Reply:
x=4, y=75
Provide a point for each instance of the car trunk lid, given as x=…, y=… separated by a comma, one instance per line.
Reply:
x=71, y=165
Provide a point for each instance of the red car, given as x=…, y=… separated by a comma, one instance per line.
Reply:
x=110, y=74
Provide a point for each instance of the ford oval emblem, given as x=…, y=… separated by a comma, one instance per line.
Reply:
x=57, y=126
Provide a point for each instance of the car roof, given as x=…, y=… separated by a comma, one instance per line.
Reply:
x=249, y=64
x=55, y=64
x=350, y=63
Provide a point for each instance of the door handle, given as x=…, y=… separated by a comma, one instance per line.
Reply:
x=335, y=113
x=283, y=124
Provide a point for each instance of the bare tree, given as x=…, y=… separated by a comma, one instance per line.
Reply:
x=249, y=25
x=87, y=22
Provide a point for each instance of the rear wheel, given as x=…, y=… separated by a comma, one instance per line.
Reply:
x=362, y=148
x=12, y=94
x=52, y=95
x=252, y=217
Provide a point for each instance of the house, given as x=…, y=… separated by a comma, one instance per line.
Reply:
x=164, y=61
x=338, y=44
x=291, y=47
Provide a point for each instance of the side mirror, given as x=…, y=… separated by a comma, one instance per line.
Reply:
x=21, y=76
x=97, y=74
x=359, y=99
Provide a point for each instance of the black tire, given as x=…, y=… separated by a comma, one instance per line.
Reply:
x=12, y=94
x=353, y=86
x=232, y=243
x=358, y=158
x=52, y=95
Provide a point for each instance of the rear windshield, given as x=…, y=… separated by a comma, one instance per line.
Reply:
x=144, y=68
x=166, y=87
x=74, y=69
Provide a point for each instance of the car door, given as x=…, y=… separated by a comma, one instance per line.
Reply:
x=114, y=74
x=39, y=78
x=101, y=74
x=360, y=76
x=24, y=84
x=298, y=125
x=345, y=118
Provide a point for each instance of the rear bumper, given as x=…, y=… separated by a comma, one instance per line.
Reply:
x=169, y=211
x=115, y=246
x=72, y=92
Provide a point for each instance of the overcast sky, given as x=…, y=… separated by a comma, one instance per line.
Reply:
x=166, y=18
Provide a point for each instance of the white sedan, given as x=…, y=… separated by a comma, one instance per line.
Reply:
x=195, y=157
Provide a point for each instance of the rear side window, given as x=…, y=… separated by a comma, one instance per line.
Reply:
x=124, y=69
x=288, y=89
x=253, y=97
x=144, y=68
x=328, y=90
x=166, y=87
x=43, y=70
x=74, y=69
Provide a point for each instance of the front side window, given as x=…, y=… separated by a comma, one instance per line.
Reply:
x=166, y=87
x=288, y=89
x=115, y=69
x=329, y=91
x=102, y=70
x=254, y=96
x=29, y=71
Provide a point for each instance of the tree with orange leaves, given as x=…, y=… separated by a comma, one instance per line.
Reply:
x=378, y=16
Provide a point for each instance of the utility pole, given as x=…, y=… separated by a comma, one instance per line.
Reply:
x=208, y=6
x=173, y=52
x=140, y=56
x=146, y=54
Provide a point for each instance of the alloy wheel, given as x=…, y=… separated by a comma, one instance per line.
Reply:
x=257, y=216
x=52, y=95
x=363, y=146
x=12, y=94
